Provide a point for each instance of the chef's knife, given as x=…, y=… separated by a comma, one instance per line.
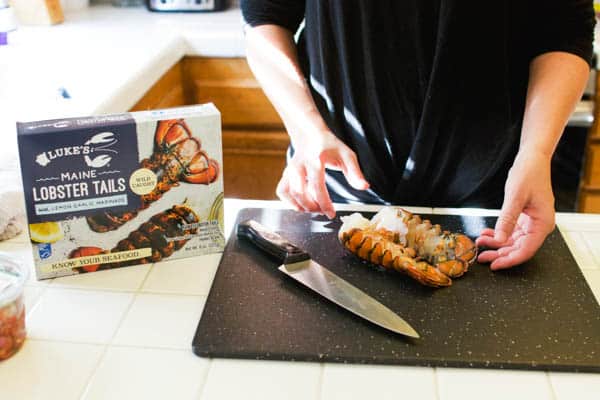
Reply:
x=298, y=264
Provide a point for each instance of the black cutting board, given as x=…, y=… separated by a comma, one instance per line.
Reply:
x=541, y=315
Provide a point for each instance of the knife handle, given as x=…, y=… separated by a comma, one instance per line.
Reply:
x=270, y=242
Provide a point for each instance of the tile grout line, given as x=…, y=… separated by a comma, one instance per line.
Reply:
x=93, y=373
x=320, y=381
x=552, y=391
x=101, y=289
x=131, y=346
x=127, y=346
x=125, y=313
x=579, y=239
x=143, y=282
x=138, y=290
x=118, y=291
x=588, y=247
x=105, y=349
x=205, y=380
x=183, y=294
x=28, y=312
x=436, y=383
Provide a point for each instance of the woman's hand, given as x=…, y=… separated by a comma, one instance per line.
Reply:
x=527, y=214
x=556, y=82
x=303, y=181
x=271, y=53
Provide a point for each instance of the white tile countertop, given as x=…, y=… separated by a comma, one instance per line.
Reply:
x=104, y=58
x=126, y=334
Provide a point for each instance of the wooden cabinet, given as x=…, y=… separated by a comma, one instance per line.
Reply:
x=229, y=84
x=167, y=92
x=254, y=138
x=589, y=197
x=589, y=194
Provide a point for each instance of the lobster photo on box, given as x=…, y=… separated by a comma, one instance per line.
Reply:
x=164, y=234
x=177, y=156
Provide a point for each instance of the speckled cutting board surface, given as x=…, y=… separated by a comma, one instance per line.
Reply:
x=541, y=315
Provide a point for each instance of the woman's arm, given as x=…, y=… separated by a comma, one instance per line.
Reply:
x=556, y=83
x=271, y=53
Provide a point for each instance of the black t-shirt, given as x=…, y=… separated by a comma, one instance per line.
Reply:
x=429, y=93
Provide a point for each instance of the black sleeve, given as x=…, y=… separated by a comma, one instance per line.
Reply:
x=562, y=25
x=286, y=13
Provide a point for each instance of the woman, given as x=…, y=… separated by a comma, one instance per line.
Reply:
x=425, y=102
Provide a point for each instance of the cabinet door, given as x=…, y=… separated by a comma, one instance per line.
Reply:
x=589, y=200
x=230, y=85
x=253, y=162
x=167, y=92
x=589, y=194
x=254, y=138
x=592, y=167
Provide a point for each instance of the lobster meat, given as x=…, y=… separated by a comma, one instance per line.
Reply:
x=397, y=239
x=155, y=234
x=177, y=156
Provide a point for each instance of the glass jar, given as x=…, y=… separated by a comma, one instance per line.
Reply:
x=13, y=276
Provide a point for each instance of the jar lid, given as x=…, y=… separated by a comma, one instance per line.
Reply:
x=12, y=278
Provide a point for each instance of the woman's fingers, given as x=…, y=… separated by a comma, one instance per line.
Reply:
x=487, y=232
x=298, y=188
x=491, y=242
x=512, y=258
x=526, y=247
x=522, y=249
x=317, y=189
x=303, y=181
x=304, y=188
x=487, y=256
x=491, y=255
x=283, y=192
x=487, y=237
x=351, y=170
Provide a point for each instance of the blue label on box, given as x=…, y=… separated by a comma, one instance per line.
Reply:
x=76, y=167
x=44, y=250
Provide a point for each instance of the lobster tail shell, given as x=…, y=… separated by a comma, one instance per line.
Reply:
x=419, y=249
x=377, y=250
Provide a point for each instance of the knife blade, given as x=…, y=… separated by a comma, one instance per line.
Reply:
x=299, y=265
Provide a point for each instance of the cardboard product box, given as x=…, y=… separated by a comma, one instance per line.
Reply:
x=118, y=190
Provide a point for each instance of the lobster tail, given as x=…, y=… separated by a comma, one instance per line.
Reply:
x=396, y=239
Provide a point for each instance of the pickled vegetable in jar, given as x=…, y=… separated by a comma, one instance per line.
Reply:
x=12, y=309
